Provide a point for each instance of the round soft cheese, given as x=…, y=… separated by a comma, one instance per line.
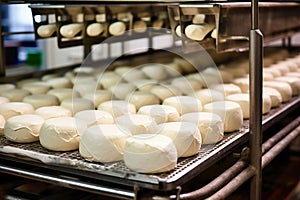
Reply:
x=99, y=96
x=95, y=29
x=140, y=26
x=198, y=32
x=293, y=74
x=150, y=153
x=282, y=87
x=185, y=65
x=11, y=109
x=47, y=77
x=117, y=107
x=3, y=100
x=230, y=112
x=103, y=143
x=165, y=91
x=15, y=95
x=64, y=93
x=294, y=82
x=60, y=82
x=222, y=74
x=117, y=28
x=139, y=99
x=274, y=95
x=137, y=123
x=210, y=125
x=47, y=30
x=6, y=86
x=227, y=89
x=186, y=86
x=208, y=95
x=158, y=24
x=184, y=104
x=2, y=123
x=83, y=87
x=36, y=87
x=155, y=71
x=71, y=30
x=133, y=75
x=275, y=72
x=23, y=128
x=244, y=101
x=61, y=134
x=40, y=100
x=144, y=84
x=77, y=104
x=283, y=68
x=243, y=83
x=25, y=81
x=185, y=135
x=109, y=79
x=48, y=112
x=94, y=117
x=178, y=30
x=198, y=19
x=173, y=69
x=121, y=90
x=160, y=113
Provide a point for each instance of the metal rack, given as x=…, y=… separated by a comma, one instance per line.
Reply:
x=244, y=169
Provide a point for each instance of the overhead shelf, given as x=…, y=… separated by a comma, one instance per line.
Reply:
x=233, y=21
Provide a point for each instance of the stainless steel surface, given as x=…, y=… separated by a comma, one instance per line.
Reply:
x=277, y=20
x=255, y=57
x=74, y=184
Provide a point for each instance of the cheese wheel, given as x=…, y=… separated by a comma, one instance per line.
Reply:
x=117, y=28
x=293, y=74
x=160, y=113
x=210, y=125
x=40, y=100
x=222, y=74
x=95, y=29
x=6, y=86
x=120, y=70
x=178, y=30
x=3, y=100
x=144, y=84
x=150, y=153
x=109, y=79
x=99, y=96
x=103, y=143
x=60, y=82
x=140, y=26
x=275, y=72
x=61, y=134
x=185, y=135
x=208, y=95
x=71, y=30
x=198, y=32
x=23, y=128
x=77, y=104
x=137, y=123
x=244, y=101
x=158, y=24
x=165, y=91
x=227, y=89
x=2, y=123
x=48, y=112
x=173, y=69
x=282, y=67
x=186, y=86
x=243, y=83
x=294, y=82
x=25, y=81
x=121, y=90
x=282, y=87
x=15, y=95
x=214, y=33
x=139, y=99
x=117, y=107
x=230, y=112
x=155, y=71
x=36, y=87
x=94, y=117
x=184, y=104
x=198, y=19
x=11, y=109
x=47, y=30
x=64, y=93
x=186, y=66
x=133, y=75
x=274, y=95
x=47, y=77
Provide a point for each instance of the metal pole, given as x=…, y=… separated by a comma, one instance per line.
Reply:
x=255, y=57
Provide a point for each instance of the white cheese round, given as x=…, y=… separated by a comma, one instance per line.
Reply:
x=2, y=123
x=99, y=96
x=184, y=104
x=64, y=93
x=282, y=87
x=274, y=95
x=139, y=99
x=40, y=100
x=94, y=117
x=15, y=95
x=77, y=104
x=208, y=95
x=48, y=112
x=11, y=109
x=117, y=107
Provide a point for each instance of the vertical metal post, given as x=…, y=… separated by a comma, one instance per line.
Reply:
x=2, y=52
x=255, y=57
